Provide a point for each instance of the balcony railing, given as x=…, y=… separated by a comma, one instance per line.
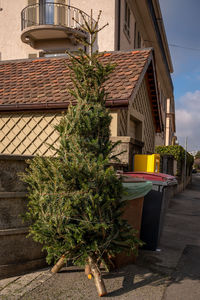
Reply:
x=53, y=14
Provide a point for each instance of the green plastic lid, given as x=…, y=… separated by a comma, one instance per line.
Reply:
x=136, y=189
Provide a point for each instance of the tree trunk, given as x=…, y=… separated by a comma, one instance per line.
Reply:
x=101, y=289
x=60, y=263
x=87, y=270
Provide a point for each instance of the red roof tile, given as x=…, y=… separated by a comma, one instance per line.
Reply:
x=45, y=81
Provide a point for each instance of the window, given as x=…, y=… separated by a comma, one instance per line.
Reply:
x=127, y=15
x=49, y=12
x=137, y=37
x=136, y=127
x=57, y=53
x=139, y=40
x=136, y=124
x=32, y=14
x=52, y=54
x=46, y=12
x=32, y=55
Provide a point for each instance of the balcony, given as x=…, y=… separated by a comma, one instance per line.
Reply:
x=51, y=21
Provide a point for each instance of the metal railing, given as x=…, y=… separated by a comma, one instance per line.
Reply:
x=53, y=14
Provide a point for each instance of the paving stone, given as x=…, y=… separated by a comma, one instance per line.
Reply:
x=23, y=284
x=5, y=282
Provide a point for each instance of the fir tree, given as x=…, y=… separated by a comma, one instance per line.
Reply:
x=75, y=199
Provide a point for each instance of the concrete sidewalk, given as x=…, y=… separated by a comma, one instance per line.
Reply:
x=180, y=246
x=131, y=282
x=170, y=274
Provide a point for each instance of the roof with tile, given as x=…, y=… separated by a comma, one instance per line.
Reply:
x=46, y=80
x=43, y=83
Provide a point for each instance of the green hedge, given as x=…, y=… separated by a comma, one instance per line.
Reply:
x=177, y=151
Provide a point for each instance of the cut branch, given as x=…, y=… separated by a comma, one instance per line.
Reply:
x=58, y=266
x=101, y=289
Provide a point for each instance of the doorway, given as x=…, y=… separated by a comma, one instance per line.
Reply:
x=47, y=12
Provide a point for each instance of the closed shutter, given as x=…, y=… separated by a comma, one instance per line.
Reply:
x=61, y=12
x=32, y=13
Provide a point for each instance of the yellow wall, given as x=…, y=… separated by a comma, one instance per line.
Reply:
x=28, y=133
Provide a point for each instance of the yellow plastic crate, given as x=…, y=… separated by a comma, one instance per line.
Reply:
x=147, y=163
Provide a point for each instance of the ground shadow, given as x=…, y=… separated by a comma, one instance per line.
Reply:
x=129, y=273
x=187, y=268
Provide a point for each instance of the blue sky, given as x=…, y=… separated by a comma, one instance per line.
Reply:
x=182, y=25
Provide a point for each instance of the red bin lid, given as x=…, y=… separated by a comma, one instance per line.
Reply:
x=151, y=176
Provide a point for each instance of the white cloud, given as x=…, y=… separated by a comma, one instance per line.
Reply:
x=188, y=119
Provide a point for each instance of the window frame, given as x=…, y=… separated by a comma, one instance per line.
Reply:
x=127, y=18
x=47, y=12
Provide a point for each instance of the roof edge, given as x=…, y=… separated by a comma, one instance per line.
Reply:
x=19, y=60
x=142, y=74
x=60, y=105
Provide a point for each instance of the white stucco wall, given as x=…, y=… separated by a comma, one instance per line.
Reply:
x=126, y=43
x=105, y=37
x=11, y=46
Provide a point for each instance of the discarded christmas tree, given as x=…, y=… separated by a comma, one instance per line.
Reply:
x=75, y=199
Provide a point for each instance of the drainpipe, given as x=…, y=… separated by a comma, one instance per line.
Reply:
x=119, y=24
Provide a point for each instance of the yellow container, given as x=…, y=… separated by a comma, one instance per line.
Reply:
x=147, y=163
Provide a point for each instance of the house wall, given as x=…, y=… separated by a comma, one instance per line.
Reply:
x=123, y=122
x=114, y=123
x=11, y=46
x=28, y=133
x=106, y=38
x=15, y=246
x=131, y=41
x=10, y=22
x=160, y=139
x=119, y=123
x=126, y=42
x=141, y=103
x=169, y=123
x=31, y=133
x=150, y=38
x=137, y=122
